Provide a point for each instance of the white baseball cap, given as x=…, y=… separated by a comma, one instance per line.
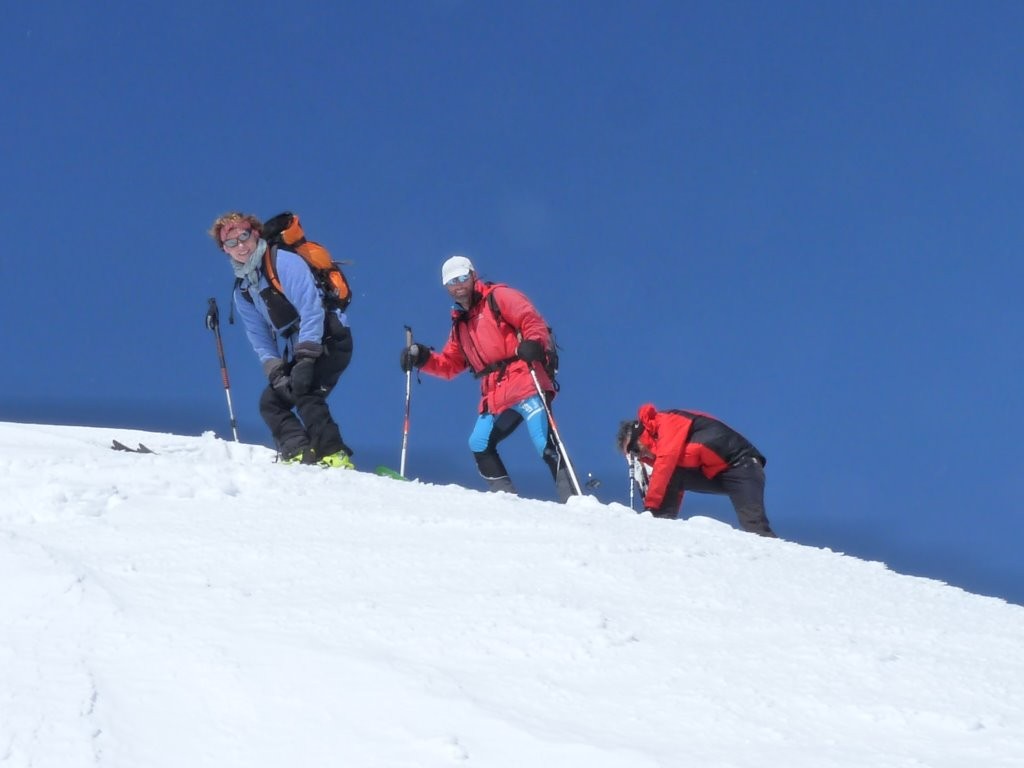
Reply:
x=456, y=266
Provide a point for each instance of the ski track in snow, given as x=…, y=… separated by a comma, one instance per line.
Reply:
x=206, y=606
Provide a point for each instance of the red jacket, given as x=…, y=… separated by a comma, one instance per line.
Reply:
x=479, y=339
x=687, y=440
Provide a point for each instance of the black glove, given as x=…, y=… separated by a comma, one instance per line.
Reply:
x=302, y=376
x=530, y=351
x=278, y=379
x=414, y=355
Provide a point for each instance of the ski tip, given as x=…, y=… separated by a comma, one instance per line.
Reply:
x=389, y=472
x=117, y=445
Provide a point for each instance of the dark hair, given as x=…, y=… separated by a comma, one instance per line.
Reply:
x=627, y=436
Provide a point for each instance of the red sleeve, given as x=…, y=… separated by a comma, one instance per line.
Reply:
x=669, y=439
x=449, y=362
x=517, y=310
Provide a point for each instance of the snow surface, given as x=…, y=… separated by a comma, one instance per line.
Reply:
x=208, y=607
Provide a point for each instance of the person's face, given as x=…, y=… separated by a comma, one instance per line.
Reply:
x=238, y=240
x=641, y=451
x=462, y=292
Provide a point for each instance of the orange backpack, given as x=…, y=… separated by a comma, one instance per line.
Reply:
x=285, y=231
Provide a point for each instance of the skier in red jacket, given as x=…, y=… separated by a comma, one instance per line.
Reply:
x=497, y=334
x=692, y=451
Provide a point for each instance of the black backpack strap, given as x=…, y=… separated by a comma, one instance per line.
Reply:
x=283, y=314
x=498, y=365
x=501, y=365
x=551, y=354
x=237, y=289
x=492, y=302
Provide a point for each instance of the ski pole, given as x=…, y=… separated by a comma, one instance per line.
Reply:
x=638, y=478
x=632, y=480
x=554, y=431
x=213, y=323
x=408, y=404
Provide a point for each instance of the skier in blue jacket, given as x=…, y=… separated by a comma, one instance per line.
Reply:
x=303, y=347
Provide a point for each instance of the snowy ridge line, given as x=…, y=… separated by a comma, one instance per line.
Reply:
x=321, y=617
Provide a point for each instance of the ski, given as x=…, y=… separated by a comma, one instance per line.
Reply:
x=388, y=472
x=119, y=446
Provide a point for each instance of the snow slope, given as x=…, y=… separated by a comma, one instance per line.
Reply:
x=207, y=607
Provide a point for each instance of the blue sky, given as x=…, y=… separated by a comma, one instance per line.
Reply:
x=801, y=217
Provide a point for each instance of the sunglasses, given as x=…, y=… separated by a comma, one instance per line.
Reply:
x=231, y=242
x=457, y=280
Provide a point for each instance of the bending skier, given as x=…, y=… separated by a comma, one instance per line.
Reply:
x=692, y=451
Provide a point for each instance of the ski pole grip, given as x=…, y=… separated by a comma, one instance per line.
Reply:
x=408, y=336
x=212, y=316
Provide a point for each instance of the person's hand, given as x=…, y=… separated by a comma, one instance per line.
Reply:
x=278, y=379
x=302, y=376
x=414, y=355
x=530, y=351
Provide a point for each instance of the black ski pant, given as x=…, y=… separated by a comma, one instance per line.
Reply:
x=313, y=429
x=743, y=483
x=492, y=468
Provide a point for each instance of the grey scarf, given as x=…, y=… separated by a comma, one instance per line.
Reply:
x=249, y=271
